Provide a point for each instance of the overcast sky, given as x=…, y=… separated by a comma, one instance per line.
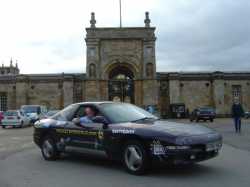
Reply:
x=47, y=36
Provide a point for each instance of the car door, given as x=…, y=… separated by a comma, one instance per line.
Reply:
x=89, y=135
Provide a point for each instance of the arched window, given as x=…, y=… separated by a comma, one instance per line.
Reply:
x=149, y=70
x=92, y=71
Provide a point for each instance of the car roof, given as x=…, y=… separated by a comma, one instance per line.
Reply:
x=205, y=107
x=31, y=105
x=12, y=110
x=95, y=102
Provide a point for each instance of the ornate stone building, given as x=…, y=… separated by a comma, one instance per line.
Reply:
x=121, y=66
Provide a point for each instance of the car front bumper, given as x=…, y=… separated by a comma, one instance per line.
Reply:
x=206, y=116
x=186, y=157
x=188, y=153
x=11, y=123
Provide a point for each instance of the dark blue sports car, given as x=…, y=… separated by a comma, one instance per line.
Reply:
x=126, y=133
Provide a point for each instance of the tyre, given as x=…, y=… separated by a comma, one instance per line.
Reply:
x=211, y=120
x=191, y=120
x=3, y=126
x=49, y=149
x=21, y=125
x=135, y=158
x=197, y=120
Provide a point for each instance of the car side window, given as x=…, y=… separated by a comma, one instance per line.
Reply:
x=80, y=112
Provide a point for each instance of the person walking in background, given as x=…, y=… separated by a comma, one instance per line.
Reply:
x=150, y=109
x=237, y=113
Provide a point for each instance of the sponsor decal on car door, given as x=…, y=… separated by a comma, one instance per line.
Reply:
x=85, y=137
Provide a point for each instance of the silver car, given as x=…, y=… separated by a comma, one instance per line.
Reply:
x=15, y=118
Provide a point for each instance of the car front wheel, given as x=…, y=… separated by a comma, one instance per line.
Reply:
x=49, y=150
x=135, y=158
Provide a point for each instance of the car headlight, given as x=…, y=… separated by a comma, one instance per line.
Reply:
x=177, y=147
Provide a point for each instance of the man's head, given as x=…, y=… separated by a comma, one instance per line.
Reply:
x=89, y=112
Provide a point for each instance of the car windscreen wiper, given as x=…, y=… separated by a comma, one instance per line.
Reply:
x=145, y=118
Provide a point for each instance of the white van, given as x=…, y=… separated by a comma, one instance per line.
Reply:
x=34, y=112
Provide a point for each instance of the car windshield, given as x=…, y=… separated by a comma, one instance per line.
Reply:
x=124, y=112
x=51, y=113
x=207, y=109
x=10, y=113
x=30, y=109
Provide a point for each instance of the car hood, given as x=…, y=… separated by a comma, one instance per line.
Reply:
x=32, y=115
x=48, y=122
x=163, y=127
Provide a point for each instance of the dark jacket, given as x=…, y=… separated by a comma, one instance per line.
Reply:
x=237, y=110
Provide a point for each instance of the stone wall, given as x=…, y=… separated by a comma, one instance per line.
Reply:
x=207, y=89
x=55, y=91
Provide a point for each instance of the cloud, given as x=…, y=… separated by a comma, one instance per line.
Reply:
x=48, y=36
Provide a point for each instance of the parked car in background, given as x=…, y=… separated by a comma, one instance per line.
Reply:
x=203, y=113
x=34, y=112
x=247, y=114
x=51, y=113
x=1, y=116
x=15, y=118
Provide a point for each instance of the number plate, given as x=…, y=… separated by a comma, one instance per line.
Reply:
x=213, y=146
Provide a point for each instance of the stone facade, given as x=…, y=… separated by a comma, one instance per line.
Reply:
x=121, y=66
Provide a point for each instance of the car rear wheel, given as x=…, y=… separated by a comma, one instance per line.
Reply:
x=211, y=120
x=135, y=158
x=3, y=126
x=49, y=150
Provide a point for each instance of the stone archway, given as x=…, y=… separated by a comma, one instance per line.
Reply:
x=121, y=84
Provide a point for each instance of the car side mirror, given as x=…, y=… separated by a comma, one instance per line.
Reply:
x=76, y=121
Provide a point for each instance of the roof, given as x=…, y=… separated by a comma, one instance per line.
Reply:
x=95, y=102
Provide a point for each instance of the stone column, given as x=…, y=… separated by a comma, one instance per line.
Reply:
x=92, y=91
x=150, y=92
x=22, y=91
x=218, y=96
x=174, y=88
x=67, y=92
x=138, y=92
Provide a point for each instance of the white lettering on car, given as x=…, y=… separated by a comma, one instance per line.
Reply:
x=123, y=131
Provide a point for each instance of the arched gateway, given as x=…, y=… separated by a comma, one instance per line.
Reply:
x=121, y=64
x=121, y=84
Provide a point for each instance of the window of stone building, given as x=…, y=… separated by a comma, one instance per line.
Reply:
x=207, y=84
x=3, y=101
x=236, y=92
x=92, y=71
x=149, y=51
x=92, y=52
x=149, y=70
